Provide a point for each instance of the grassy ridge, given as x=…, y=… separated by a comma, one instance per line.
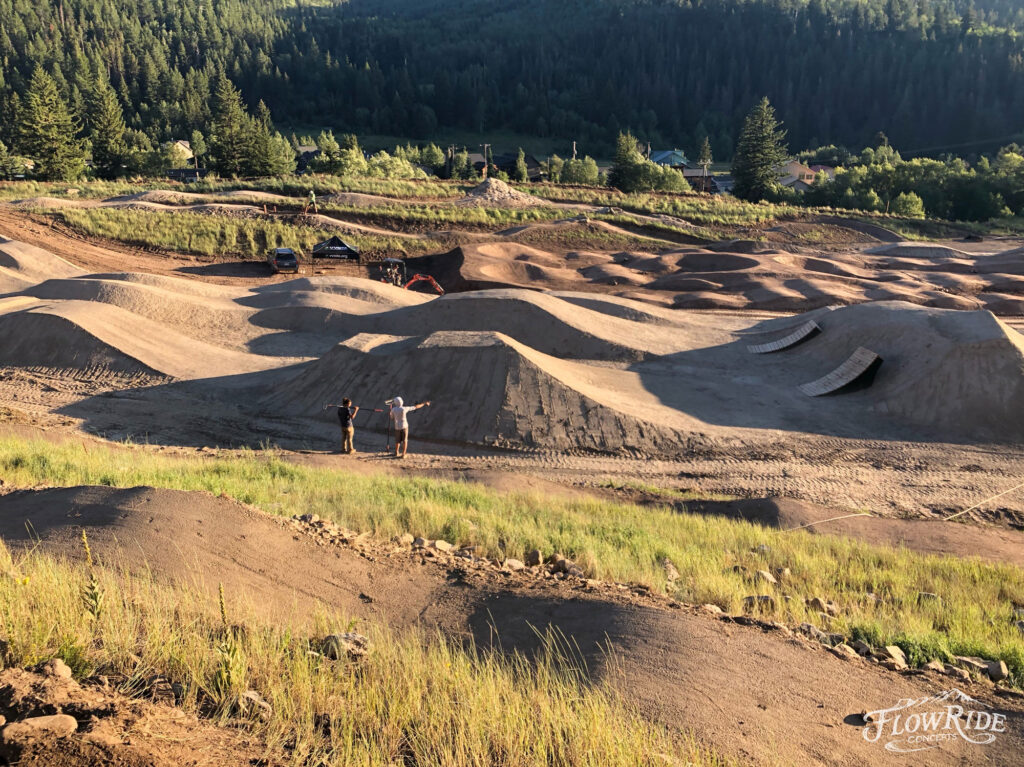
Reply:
x=877, y=588
x=415, y=698
x=212, y=234
x=704, y=210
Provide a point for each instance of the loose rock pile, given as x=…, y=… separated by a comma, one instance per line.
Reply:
x=39, y=708
x=494, y=193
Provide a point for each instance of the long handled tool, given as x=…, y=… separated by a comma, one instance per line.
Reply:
x=369, y=409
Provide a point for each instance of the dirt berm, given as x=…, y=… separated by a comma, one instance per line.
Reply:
x=761, y=697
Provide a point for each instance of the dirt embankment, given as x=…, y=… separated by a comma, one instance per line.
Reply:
x=764, y=697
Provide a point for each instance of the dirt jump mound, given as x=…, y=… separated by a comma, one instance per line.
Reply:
x=959, y=372
x=489, y=389
x=23, y=265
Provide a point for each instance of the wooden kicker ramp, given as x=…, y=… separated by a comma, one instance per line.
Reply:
x=861, y=367
x=807, y=330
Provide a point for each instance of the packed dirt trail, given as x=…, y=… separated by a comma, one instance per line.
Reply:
x=766, y=697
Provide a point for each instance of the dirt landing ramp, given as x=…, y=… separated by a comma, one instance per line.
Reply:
x=761, y=697
x=487, y=389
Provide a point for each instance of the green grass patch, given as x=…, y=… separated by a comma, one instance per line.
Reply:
x=216, y=235
x=877, y=588
x=416, y=698
x=704, y=210
x=299, y=186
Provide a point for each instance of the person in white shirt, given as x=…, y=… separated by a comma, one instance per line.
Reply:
x=399, y=417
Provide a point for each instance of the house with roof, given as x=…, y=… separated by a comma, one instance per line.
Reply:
x=507, y=164
x=671, y=158
x=184, y=149
x=828, y=170
x=795, y=175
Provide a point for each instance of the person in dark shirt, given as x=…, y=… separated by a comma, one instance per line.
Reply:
x=346, y=415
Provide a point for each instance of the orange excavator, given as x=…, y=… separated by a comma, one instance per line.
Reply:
x=392, y=271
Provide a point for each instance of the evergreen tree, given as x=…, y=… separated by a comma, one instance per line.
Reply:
x=262, y=152
x=521, y=173
x=231, y=135
x=759, y=153
x=282, y=156
x=8, y=165
x=106, y=131
x=46, y=132
x=627, y=170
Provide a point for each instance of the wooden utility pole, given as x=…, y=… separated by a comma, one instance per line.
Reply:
x=487, y=163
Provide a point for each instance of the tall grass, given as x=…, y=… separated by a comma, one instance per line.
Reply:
x=18, y=190
x=416, y=698
x=220, y=235
x=299, y=186
x=437, y=215
x=877, y=588
x=704, y=210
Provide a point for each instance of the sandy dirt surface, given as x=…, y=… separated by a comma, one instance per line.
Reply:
x=583, y=391
x=572, y=387
x=765, y=696
x=748, y=276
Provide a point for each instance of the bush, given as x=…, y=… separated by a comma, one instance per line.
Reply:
x=908, y=205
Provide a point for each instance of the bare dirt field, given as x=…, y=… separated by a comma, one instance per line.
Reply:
x=572, y=386
x=545, y=370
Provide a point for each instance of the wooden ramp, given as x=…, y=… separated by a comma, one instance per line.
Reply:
x=862, y=363
x=802, y=333
x=769, y=331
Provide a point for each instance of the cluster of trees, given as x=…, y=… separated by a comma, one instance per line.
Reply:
x=45, y=134
x=632, y=172
x=51, y=141
x=878, y=178
x=931, y=73
x=583, y=172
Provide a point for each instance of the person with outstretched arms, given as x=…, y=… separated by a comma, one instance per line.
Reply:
x=399, y=417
